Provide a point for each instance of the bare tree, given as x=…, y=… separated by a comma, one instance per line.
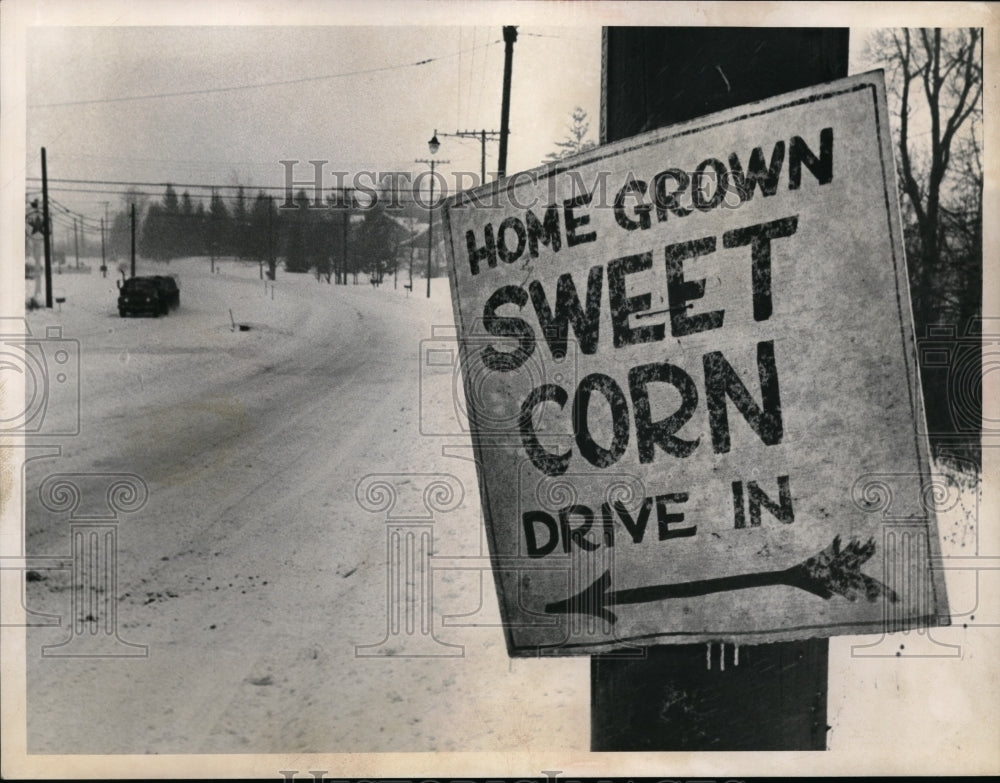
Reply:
x=935, y=81
x=119, y=238
x=936, y=78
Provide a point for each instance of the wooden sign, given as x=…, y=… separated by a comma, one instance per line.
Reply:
x=690, y=378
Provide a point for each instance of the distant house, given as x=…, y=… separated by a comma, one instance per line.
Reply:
x=417, y=246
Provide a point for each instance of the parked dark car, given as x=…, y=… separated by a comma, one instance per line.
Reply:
x=153, y=295
x=141, y=296
x=169, y=290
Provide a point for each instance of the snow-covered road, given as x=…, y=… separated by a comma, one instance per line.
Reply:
x=257, y=573
x=252, y=572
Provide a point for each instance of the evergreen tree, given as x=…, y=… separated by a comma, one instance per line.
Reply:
x=199, y=227
x=188, y=231
x=241, y=224
x=576, y=140
x=342, y=206
x=296, y=244
x=321, y=243
x=219, y=226
x=257, y=234
x=273, y=234
x=153, y=238
x=262, y=236
x=168, y=230
x=377, y=242
x=170, y=203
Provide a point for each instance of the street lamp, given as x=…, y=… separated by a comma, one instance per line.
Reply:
x=433, y=145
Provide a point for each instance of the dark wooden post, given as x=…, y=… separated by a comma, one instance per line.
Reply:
x=509, y=37
x=656, y=76
x=132, y=213
x=47, y=234
x=690, y=697
x=345, y=220
x=482, y=157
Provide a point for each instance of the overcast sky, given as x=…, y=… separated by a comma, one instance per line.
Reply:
x=352, y=96
x=255, y=94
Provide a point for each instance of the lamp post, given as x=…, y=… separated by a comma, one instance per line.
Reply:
x=433, y=145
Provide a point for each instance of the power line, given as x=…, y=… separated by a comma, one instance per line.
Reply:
x=128, y=187
x=175, y=185
x=62, y=212
x=482, y=83
x=472, y=70
x=106, y=192
x=400, y=197
x=458, y=81
x=236, y=87
x=64, y=208
x=164, y=184
x=68, y=219
x=63, y=221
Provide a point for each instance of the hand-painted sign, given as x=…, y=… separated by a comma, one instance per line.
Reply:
x=689, y=373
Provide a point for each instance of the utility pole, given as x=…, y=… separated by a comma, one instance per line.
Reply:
x=47, y=232
x=770, y=696
x=76, y=244
x=482, y=157
x=104, y=259
x=132, y=213
x=345, y=224
x=430, y=217
x=481, y=135
x=272, y=262
x=509, y=36
x=410, y=287
x=213, y=232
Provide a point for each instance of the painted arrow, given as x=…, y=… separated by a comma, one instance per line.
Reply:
x=834, y=571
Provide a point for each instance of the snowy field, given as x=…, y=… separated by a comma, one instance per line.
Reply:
x=256, y=574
